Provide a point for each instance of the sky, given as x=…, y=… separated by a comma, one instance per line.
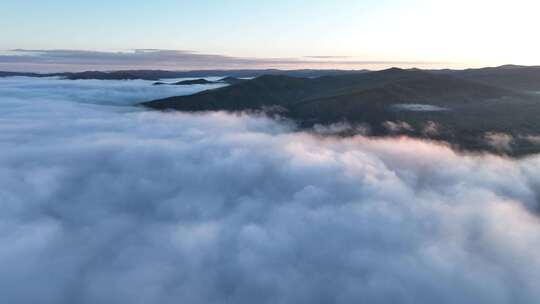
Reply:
x=320, y=34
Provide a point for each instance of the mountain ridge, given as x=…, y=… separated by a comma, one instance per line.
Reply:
x=508, y=76
x=465, y=110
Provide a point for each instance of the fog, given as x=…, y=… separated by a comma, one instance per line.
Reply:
x=416, y=107
x=105, y=202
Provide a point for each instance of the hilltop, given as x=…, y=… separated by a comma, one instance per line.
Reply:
x=462, y=110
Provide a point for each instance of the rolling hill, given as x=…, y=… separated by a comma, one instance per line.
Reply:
x=464, y=111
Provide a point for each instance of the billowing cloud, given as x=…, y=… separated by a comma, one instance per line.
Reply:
x=107, y=203
x=499, y=141
x=431, y=128
x=397, y=126
x=79, y=60
x=533, y=139
x=342, y=128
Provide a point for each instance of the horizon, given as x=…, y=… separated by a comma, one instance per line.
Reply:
x=442, y=68
x=62, y=60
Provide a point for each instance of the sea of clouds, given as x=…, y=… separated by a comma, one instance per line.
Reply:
x=104, y=202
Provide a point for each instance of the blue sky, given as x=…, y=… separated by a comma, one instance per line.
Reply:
x=436, y=32
x=281, y=27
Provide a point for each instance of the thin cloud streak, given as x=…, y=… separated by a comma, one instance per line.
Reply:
x=79, y=60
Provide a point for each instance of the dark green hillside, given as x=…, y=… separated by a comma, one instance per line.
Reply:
x=514, y=77
x=462, y=110
x=375, y=103
x=336, y=97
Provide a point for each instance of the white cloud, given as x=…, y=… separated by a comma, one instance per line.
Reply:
x=499, y=141
x=342, y=128
x=431, y=128
x=109, y=204
x=397, y=126
x=533, y=139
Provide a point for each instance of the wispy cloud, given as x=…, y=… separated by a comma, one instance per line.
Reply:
x=328, y=57
x=77, y=60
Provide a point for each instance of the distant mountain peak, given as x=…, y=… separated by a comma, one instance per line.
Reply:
x=394, y=69
x=510, y=66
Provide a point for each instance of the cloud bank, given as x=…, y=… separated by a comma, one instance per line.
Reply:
x=103, y=202
x=80, y=60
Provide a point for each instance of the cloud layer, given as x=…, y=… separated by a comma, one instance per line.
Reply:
x=107, y=203
x=80, y=60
